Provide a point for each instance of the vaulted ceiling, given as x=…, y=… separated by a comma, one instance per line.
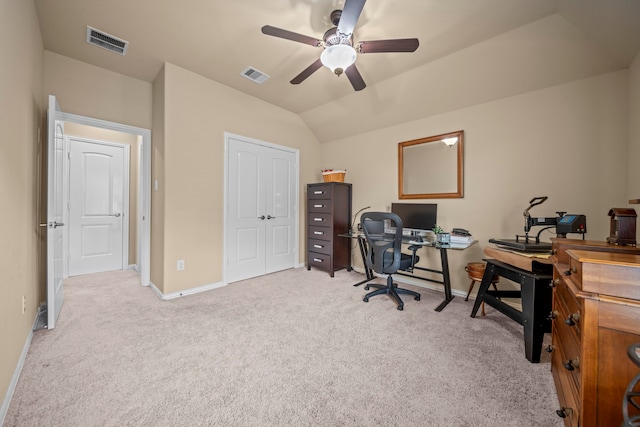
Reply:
x=471, y=51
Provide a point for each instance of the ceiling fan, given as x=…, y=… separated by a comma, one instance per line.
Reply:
x=340, y=51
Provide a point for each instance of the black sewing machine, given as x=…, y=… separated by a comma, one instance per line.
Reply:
x=564, y=223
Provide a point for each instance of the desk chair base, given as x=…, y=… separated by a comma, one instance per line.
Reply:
x=390, y=289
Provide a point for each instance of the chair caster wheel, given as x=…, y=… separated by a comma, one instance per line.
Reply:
x=400, y=307
x=365, y=299
x=417, y=298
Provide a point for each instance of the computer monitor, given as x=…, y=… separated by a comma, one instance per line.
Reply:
x=416, y=216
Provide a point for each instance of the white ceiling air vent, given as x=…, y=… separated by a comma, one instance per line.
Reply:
x=254, y=75
x=106, y=41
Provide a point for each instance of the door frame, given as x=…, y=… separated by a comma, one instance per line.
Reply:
x=144, y=188
x=296, y=152
x=126, y=179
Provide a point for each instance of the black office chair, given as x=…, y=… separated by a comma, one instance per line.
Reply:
x=384, y=256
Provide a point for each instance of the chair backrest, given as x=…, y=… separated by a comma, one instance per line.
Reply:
x=383, y=250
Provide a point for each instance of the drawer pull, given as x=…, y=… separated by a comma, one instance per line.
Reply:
x=555, y=282
x=571, y=365
x=318, y=246
x=554, y=251
x=564, y=412
x=318, y=219
x=317, y=260
x=570, y=271
x=552, y=315
x=318, y=192
x=319, y=232
x=318, y=206
x=550, y=348
x=573, y=319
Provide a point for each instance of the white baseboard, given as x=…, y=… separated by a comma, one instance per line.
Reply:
x=134, y=267
x=16, y=374
x=191, y=291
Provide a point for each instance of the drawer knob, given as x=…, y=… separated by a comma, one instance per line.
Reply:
x=571, y=365
x=552, y=315
x=550, y=348
x=573, y=319
x=571, y=271
x=555, y=282
x=554, y=251
x=564, y=412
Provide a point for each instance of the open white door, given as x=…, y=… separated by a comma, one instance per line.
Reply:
x=55, y=159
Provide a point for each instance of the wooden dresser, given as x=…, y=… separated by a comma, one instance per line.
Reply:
x=328, y=215
x=596, y=317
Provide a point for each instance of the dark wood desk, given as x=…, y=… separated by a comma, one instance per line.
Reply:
x=534, y=276
x=444, y=265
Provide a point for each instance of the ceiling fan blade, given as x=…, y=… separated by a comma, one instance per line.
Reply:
x=307, y=72
x=290, y=35
x=396, y=45
x=355, y=78
x=350, y=14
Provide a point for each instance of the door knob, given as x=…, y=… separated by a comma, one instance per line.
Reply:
x=271, y=217
x=53, y=224
x=261, y=217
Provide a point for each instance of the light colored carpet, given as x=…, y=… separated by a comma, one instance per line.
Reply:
x=294, y=348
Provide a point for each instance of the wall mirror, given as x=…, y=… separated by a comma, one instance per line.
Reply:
x=432, y=167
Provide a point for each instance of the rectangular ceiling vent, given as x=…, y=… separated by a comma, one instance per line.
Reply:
x=106, y=41
x=254, y=75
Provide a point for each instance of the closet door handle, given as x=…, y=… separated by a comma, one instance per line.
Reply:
x=271, y=217
x=261, y=217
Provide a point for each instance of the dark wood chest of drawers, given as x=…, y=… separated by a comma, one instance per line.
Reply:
x=596, y=317
x=328, y=215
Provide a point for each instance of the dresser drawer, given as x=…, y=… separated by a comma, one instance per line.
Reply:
x=320, y=246
x=568, y=395
x=575, y=270
x=318, y=232
x=320, y=219
x=319, y=192
x=571, y=307
x=320, y=206
x=318, y=260
x=565, y=339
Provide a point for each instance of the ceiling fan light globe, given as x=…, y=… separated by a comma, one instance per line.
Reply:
x=338, y=57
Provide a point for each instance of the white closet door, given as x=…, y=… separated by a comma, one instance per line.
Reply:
x=261, y=210
x=281, y=210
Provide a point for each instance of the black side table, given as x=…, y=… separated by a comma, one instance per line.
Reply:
x=535, y=293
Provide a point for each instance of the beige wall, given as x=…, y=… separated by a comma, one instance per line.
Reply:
x=634, y=132
x=116, y=98
x=75, y=129
x=567, y=142
x=21, y=107
x=197, y=112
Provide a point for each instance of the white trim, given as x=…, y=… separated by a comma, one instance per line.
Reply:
x=296, y=152
x=186, y=292
x=16, y=373
x=144, y=177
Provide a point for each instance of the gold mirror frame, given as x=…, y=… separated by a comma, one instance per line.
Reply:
x=429, y=168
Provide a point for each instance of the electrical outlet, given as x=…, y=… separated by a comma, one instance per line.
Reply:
x=24, y=304
x=180, y=265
